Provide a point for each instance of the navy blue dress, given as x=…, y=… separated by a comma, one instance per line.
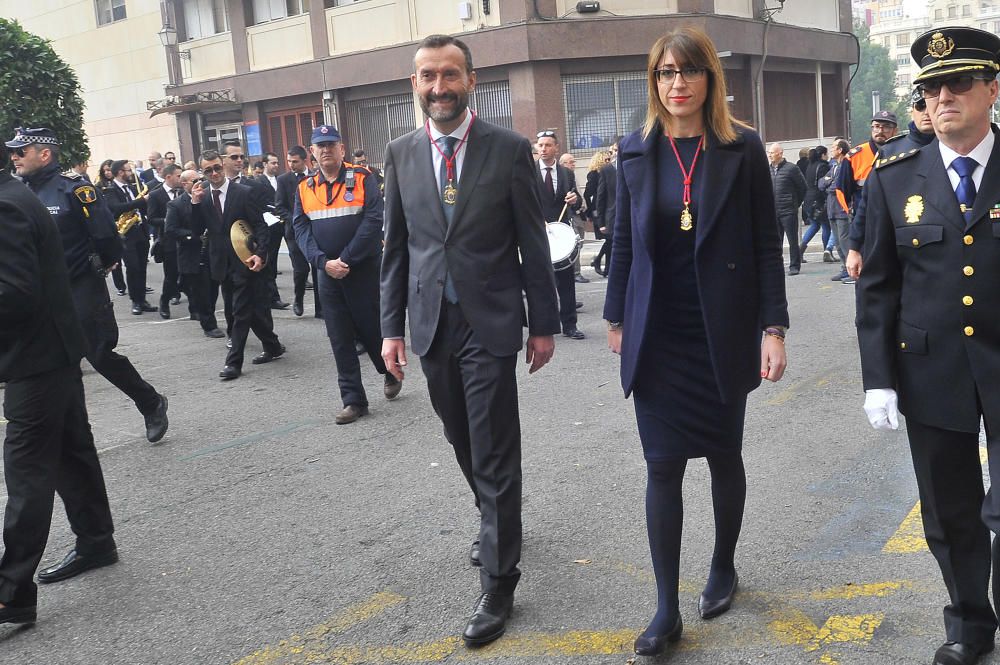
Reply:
x=678, y=407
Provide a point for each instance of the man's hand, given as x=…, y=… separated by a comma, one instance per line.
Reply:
x=255, y=263
x=337, y=269
x=197, y=193
x=394, y=356
x=615, y=340
x=571, y=198
x=604, y=229
x=538, y=351
x=854, y=263
x=880, y=406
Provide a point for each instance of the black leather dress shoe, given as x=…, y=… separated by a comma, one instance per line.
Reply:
x=175, y=302
x=489, y=619
x=149, y=289
x=136, y=309
x=156, y=422
x=350, y=413
x=146, y=307
x=268, y=356
x=474, y=554
x=653, y=645
x=956, y=653
x=580, y=279
x=230, y=372
x=297, y=308
x=709, y=608
x=76, y=563
x=215, y=333
x=279, y=304
x=121, y=292
x=11, y=614
x=574, y=333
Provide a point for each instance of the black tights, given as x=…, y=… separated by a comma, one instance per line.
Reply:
x=665, y=518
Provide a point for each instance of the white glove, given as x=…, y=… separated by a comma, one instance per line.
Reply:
x=880, y=406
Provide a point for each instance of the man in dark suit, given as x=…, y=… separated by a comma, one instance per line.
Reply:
x=215, y=209
x=604, y=204
x=927, y=321
x=123, y=198
x=267, y=184
x=464, y=240
x=48, y=447
x=156, y=216
x=557, y=191
x=192, y=259
x=284, y=203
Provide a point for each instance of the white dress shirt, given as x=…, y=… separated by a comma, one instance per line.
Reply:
x=459, y=134
x=222, y=199
x=981, y=153
x=555, y=173
x=274, y=181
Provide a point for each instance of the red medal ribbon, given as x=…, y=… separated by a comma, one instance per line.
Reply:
x=687, y=174
x=450, y=163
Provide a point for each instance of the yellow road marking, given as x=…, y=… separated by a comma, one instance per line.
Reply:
x=799, y=387
x=873, y=590
x=793, y=628
x=306, y=645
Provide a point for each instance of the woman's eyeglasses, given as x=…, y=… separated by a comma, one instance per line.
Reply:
x=689, y=74
x=959, y=85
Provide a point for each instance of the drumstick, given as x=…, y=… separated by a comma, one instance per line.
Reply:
x=567, y=205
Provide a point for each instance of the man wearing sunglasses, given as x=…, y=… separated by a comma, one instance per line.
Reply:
x=927, y=321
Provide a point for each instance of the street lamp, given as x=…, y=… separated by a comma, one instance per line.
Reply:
x=168, y=35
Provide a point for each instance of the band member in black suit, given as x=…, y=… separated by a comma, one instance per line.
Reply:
x=284, y=203
x=48, y=446
x=557, y=191
x=463, y=245
x=123, y=198
x=267, y=183
x=156, y=216
x=927, y=320
x=192, y=259
x=604, y=207
x=216, y=208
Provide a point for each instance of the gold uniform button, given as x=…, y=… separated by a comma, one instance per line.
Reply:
x=916, y=243
x=902, y=345
x=968, y=240
x=968, y=270
x=969, y=331
x=967, y=300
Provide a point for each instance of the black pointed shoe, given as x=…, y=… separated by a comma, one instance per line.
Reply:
x=230, y=372
x=156, y=421
x=297, y=308
x=268, y=356
x=489, y=619
x=709, y=608
x=957, y=653
x=76, y=563
x=653, y=645
x=474, y=554
x=12, y=614
x=392, y=387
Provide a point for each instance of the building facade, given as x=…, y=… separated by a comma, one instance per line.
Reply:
x=266, y=71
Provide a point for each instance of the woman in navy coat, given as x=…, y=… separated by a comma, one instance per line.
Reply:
x=695, y=305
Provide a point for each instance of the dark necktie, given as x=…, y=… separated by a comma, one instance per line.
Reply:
x=217, y=201
x=447, y=145
x=966, y=190
x=549, y=185
x=174, y=193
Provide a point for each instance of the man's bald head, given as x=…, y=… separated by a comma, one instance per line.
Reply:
x=568, y=160
x=187, y=179
x=775, y=153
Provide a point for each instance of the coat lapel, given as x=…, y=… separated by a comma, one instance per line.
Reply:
x=426, y=177
x=989, y=188
x=936, y=186
x=477, y=149
x=722, y=163
x=639, y=171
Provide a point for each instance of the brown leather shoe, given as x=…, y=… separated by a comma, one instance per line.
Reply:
x=392, y=387
x=351, y=413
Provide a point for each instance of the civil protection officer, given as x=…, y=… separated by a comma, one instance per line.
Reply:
x=92, y=246
x=338, y=226
x=48, y=447
x=927, y=321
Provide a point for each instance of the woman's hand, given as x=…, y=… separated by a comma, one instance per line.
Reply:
x=615, y=340
x=772, y=358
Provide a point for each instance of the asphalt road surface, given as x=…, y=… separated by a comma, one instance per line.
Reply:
x=261, y=533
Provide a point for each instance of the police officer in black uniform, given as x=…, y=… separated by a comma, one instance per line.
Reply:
x=927, y=321
x=92, y=246
x=48, y=447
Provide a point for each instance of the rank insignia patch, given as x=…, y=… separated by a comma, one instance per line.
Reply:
x=995, y=211
x=914, y=208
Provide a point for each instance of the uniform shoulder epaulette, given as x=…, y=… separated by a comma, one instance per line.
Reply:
x=362, y=170
x=72, y=175
x=895, y=159
x=897, y=137
x=856, y=149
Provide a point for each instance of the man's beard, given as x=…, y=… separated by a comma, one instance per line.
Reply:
x=461, y=103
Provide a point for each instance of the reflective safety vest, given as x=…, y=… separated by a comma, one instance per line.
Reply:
x=862, y=159
x=335, y=209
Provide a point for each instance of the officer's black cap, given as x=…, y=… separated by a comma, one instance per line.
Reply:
x=24, y=136
x=955, y=50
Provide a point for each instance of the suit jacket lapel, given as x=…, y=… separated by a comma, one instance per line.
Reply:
x=936, y=186
x=639, y=170
x=426, y=177
x=989, y=188
x=477, y=150
x=722, y=163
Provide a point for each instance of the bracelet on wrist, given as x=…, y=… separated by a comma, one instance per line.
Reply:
x=775, y=331
x=614, y=325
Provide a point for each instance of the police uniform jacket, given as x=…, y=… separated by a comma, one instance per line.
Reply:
x=929, y=293
x=339, y=219
x=85, y=222
x=39, y=331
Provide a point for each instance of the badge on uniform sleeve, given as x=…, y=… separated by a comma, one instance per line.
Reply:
x=995, y=212
x=86, y=194
x=914, y=208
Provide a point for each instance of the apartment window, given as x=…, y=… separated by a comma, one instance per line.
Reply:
x=902, y=59
x=270, y=10
x=887, y=41
x=966, y=10
x=938, y=14
x=204, y=18
x=601, y=107
x=491, y=102
x=903, y=80
x=109, y=11
x=290, y=128
x=903, y=39
x=340, y=3
x=953, y=12
x=372, y=122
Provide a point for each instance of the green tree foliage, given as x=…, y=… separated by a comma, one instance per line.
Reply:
x=876, y=71
x=38, y=89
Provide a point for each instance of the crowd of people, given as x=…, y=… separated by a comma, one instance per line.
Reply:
x=446, y=247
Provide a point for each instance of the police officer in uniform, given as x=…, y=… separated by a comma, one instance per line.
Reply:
x=48, y=446
x=338, y=226
x=92, y=246
x=927, y=321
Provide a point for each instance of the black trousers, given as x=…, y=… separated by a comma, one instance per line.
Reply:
x=301, y=269
x=171, y=277
x=248, y=305
x=788, y=225
x=203, y=295
x=118, y=278
x=351, y=313
x=270, y=271
x=474, y=393
x=135, y=254
x=49, y=448
x=957, y=519
x=97, y=317
x=566, y=288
